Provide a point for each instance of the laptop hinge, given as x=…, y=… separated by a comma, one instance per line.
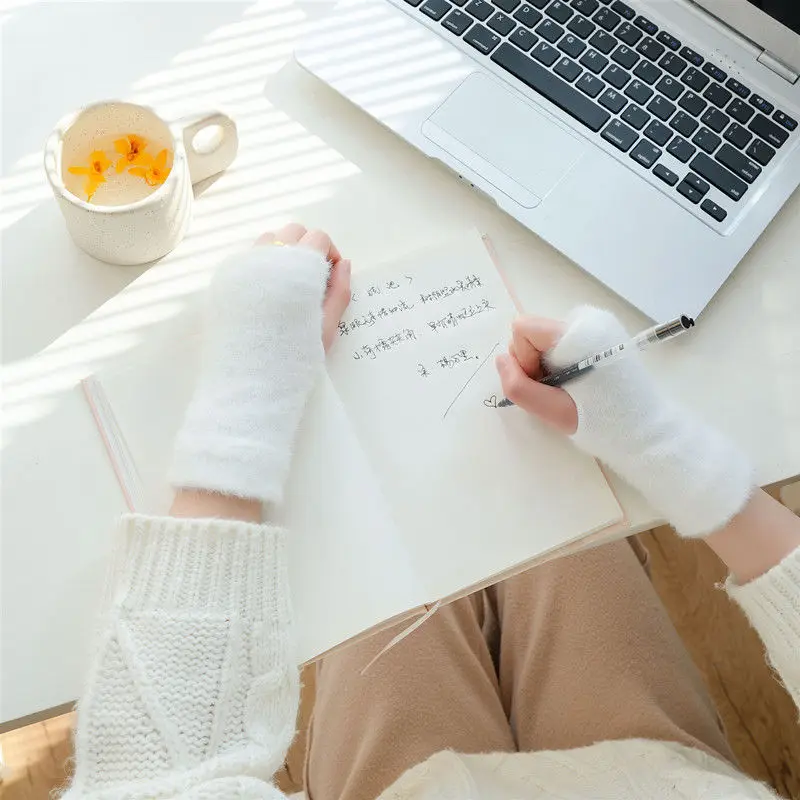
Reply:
x=778, y=67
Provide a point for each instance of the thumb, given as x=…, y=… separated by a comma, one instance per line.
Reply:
x=552, y=405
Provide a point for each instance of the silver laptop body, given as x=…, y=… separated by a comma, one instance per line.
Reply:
x=651, y=141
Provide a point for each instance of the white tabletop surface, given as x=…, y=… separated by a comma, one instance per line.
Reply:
x=305, y=154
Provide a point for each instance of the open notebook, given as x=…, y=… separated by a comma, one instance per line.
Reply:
x=408, y=485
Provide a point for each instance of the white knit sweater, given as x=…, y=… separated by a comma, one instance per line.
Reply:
x=194, y=687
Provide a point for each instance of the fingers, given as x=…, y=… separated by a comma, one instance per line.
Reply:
x=321, y=242
x=288, y=234
x=553, y=406
x=336, y=301
x=531, y=337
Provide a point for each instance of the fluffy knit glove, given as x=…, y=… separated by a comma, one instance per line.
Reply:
x=262, y=354
x=690, y=472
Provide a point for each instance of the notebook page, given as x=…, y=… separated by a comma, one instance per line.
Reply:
x=349, y=570
x=475, y=490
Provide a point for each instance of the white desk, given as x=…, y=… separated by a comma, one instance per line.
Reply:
x=305, y=154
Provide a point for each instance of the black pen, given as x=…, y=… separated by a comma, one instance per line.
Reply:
x=643, y=340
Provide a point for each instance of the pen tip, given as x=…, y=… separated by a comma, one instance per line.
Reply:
x=687, y=322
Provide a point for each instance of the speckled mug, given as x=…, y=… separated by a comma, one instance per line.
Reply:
x=150, y=226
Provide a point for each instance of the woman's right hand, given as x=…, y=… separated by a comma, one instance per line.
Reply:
x=689, y=471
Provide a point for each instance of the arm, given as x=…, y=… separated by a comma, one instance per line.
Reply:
x=194, y=687
x=692, y=474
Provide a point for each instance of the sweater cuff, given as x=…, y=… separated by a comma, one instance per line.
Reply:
x=772, y=604
x=227, y=567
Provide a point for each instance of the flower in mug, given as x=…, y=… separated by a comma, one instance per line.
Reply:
x=131, y=151
x=154, y=170
x=95, y=172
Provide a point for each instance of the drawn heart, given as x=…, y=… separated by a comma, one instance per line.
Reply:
x=491, y=402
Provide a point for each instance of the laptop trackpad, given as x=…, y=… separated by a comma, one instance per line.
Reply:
x=504, y=139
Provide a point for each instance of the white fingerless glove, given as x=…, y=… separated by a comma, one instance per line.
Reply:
x=686, y=469
x=263, y=352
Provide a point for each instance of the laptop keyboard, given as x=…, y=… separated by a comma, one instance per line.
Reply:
x=633, y=84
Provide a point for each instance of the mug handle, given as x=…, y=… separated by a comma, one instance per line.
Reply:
x=204, y=164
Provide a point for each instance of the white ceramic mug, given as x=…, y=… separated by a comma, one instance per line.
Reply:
x=144, y=223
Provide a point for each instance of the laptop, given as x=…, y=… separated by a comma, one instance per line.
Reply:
x=651, y=141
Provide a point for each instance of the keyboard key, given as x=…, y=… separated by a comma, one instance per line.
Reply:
x=717, y=95
x=559, y=11
x=689, y=192
x=539, y=3
x=613, y=100
x=592, y=60
x=623, y=10
x=506, y=5
x=738, y=135
x=414, y=3
x=603, y=42
x=620, y=135
x=715, y=120
x=738, y=88
x=646, y=25
x=761, y=152
x=681, y=149
x=697, y=183
x=639, y=92
x=740, y=111
x=550, y=31
x=581, y=26
x=691, y=56
x=616, y=76
x=479, y=9
x=567, y=69
x=669, y=40
x=607, y=19
x=672, y=64
x=666, y=175
x=693, y=104
x=684, y=124
x=523, y=38
x=561, y=94
x=648, y=72
x=706, y=140
x=527, y=15
x=661, y=108
x=482, y=38
x=546, y=54
x=624, y=56
x=670, y=87
x=650, y=48
x=628, y=34
x=768, y=130
x=435, y=9
x=635, y=117
x=590, y=85
x=784, y=119
x=738, y=163
x=457, y=22
x=714, y=71
x=695, y=79
x=713, y=210
x=586, y=7
x=658, y=133
x=718, y=176
x=500, y=23
x=646, y=154
x=761, y=104
x=572, y=45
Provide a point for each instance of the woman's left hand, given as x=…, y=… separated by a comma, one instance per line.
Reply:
x=337, y=294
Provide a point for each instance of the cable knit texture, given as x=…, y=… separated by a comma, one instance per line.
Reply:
x=262, y=355
x=692, y=474
x=194, y=687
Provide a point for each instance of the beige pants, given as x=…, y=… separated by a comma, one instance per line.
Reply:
x=569, y=653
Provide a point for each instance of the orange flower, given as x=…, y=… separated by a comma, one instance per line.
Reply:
x=98, y=164
x=131, y=150
x=155, y=171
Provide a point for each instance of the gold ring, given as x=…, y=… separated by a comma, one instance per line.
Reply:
x=278, y=243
